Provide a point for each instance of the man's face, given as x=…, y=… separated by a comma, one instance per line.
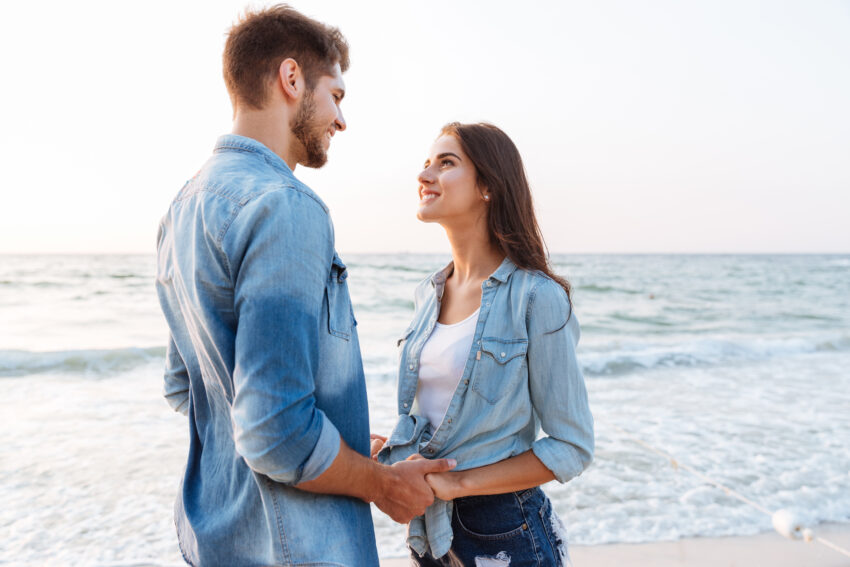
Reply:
x=318, y=117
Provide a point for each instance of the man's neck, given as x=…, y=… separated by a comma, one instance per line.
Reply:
x=270, y=127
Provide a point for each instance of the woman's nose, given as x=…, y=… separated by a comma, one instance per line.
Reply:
x=425, y=177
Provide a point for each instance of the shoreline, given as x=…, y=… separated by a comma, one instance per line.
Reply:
x=768, y=549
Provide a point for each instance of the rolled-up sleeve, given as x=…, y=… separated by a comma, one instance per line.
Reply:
x=280, y=248
x=557, y=387
x=176, y=379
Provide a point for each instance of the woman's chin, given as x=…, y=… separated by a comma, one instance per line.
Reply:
x=425, y=216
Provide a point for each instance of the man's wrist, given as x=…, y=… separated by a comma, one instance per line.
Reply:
x=376, y=482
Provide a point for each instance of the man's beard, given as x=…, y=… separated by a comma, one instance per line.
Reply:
x=310, y=135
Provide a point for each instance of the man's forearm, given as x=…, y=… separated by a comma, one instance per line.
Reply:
x=350, y=474
x=400, y=490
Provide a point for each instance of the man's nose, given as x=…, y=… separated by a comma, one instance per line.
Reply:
x=340, y=121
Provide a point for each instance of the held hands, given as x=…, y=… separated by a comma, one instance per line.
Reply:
x=446, y=485
x=404, y=493
x=377, y=443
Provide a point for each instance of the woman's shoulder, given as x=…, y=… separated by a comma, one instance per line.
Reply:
x=535, y=283
x=547, y=303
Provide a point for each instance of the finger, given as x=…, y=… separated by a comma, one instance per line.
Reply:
x=439, y=465
x=374, y=436
x=415, y=457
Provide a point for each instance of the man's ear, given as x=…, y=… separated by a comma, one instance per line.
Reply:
x=291, y=79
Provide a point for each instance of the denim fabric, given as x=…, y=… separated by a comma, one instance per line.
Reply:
x=521, y=375
x=265, y=361
x=517, y=529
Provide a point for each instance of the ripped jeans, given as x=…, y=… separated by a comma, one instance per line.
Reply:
x=516, y=529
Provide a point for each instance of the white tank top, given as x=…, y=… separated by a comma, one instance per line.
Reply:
x=441, y=365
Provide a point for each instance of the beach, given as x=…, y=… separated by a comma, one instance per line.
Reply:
x=763, y=550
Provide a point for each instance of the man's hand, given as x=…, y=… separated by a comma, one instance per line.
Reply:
x=377, y=443
x=404, y=493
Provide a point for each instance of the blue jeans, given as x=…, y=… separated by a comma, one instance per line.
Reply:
x=517, y=529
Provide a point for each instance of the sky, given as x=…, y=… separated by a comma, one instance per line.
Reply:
x=645, y=127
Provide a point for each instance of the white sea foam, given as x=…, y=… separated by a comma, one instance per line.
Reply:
x=622, y=357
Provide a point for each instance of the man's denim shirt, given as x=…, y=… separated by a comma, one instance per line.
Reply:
x=265, y=361
x=521, y=374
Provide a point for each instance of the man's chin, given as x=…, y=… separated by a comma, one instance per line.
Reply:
x=316, y=157
x=315, y=163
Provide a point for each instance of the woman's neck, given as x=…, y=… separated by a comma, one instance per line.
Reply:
x=474, y=256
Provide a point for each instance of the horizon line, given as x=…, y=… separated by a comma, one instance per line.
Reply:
x=436, y=253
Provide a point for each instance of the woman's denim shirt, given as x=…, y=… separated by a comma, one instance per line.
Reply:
x=521, y=375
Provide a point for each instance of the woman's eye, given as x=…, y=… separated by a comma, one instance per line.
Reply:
x=446, y=163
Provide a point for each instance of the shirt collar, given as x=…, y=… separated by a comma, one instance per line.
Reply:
x=502, y=273
x=245, y=144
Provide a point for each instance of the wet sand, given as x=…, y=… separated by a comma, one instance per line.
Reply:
x=763, y=550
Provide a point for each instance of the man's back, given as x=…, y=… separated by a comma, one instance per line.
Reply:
x=265, y=359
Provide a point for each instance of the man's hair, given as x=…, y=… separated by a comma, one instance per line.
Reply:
x=258, y=43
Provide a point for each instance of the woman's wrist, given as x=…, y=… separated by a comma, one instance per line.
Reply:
x=462, y=484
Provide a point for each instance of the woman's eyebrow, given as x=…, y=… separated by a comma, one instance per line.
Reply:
x=441, y=156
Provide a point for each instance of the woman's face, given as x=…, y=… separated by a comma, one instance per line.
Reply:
x=447, y=189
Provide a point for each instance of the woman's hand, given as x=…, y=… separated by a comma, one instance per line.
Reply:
x=376, y=444
x=446, y=485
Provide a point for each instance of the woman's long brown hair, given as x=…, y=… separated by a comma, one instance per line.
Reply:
x=511, y=220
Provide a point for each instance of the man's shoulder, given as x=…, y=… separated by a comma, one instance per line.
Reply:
x=240, y=178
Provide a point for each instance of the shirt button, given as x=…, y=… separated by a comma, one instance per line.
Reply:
x=487, y=304
x=503, y=355
x=525, y=526
x=450, y=420
x=405, y=404
x=488, y=283
x=410, y=366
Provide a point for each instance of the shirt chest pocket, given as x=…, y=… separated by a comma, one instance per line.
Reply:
x=500, y=364
x=340, y=313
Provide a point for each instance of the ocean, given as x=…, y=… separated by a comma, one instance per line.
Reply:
x=737, y=365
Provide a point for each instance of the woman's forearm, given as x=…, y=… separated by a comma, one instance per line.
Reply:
x=516, y=473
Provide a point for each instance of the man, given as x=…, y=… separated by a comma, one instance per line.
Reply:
x=264, y=356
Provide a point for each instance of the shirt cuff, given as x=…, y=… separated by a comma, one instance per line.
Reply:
x=559, y=457
x=324, y=453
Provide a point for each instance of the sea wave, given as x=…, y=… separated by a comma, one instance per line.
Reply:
x=599, y=360
x=99, y=362
x=622, y=358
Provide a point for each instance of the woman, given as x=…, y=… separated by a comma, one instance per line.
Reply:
x=487, y=360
